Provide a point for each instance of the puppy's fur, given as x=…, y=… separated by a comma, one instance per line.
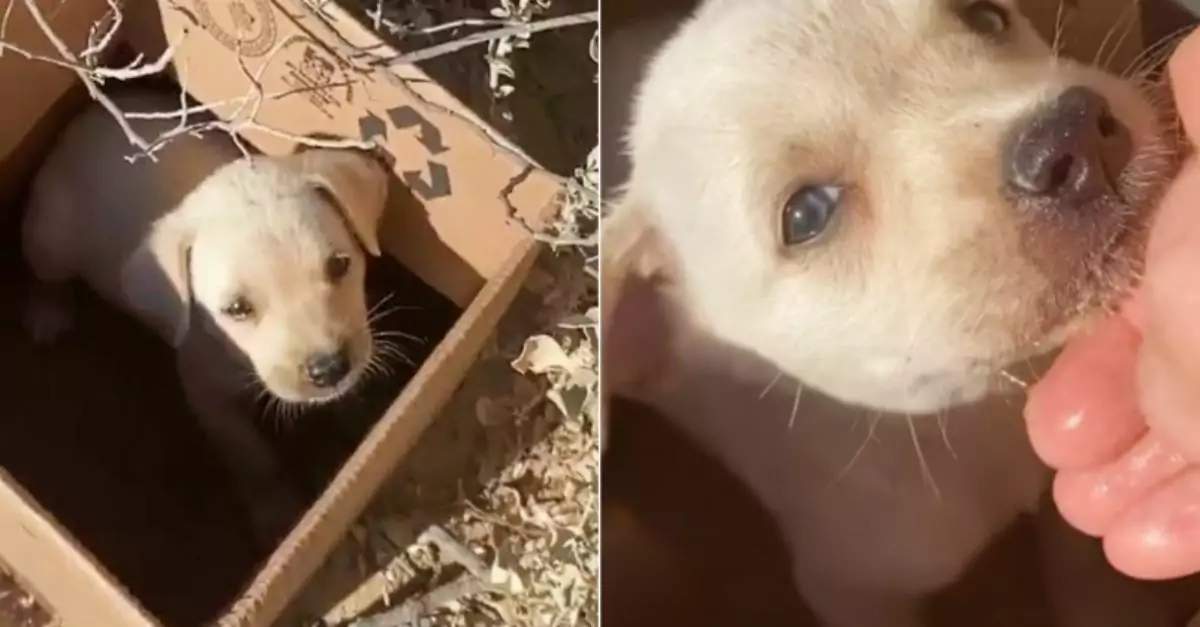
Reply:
x=888, y=340
x=180, y=242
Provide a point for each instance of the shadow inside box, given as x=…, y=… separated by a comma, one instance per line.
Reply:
x=96, y=429
x=685, y=543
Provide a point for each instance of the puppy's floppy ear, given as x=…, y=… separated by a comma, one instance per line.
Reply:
x=357, y=183
x=156, y=278
x=637, y=282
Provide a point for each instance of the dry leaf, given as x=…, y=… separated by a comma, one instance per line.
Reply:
x=542, y=354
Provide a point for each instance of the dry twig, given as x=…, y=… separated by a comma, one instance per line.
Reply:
x=512, y=29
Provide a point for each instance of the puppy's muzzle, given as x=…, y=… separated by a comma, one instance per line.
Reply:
x=328, y=369
x=1070, y=152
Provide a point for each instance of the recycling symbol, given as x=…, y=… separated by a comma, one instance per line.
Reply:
x=430, y=185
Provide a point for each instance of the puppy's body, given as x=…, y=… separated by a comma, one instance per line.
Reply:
x=252, y=268
x=887, y=335
x=56, y=221
x=878, y=512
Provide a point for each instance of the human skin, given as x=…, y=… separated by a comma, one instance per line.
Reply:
x=1118, y=415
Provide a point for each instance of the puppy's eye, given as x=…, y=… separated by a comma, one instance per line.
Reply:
x=337, y=266
x=238, y=309
x=808, y=212
x=985, y=17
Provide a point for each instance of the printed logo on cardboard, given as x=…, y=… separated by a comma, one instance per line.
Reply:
x=431, y=184
x=316, y=75
x=246, y=27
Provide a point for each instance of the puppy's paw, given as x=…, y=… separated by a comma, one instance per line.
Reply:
x=47, y=318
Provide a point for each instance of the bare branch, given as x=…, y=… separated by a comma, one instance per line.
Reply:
x=83, y=73
x=517, y=29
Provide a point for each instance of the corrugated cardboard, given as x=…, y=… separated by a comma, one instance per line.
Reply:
x=451, y=222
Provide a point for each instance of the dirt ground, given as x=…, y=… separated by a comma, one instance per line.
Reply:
x=493, y=520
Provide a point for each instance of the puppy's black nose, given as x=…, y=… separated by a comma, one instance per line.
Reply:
x=327, y=370
x=1071, y=151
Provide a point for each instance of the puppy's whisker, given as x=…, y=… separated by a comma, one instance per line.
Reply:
x=1158, y=51
x=795, y=405
x=1012, y=378
x=1059, y=25
x=1131, y=9
x=380, y=303
x=250, y=381
x=400, y=334
x=279, y=420
x=296, y=410
x=874, y=422
x=263, y=394
x=1123, y=21
x=763, y=394
x=926, y=471
x=386, y=348
x=380, y=314
x=380, y=366
x=378, y=311
x=273, y=412
x=943, y=418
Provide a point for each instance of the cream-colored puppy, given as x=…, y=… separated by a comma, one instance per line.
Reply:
x=868, y=212
x=252, y=268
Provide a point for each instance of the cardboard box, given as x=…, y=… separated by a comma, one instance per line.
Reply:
x=455, y=222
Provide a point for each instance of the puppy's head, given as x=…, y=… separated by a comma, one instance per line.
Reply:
x=893, y=200
x=272, y=250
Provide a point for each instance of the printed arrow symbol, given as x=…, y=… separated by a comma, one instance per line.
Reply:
x=429, y=135
x=371, y=125
x=437, y=186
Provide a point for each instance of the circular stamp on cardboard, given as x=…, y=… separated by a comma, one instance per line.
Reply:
x=246, y=27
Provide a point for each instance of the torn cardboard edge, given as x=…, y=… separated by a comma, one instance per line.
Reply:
x=461, y=238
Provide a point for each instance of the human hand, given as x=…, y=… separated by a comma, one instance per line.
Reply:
x=1118, y=415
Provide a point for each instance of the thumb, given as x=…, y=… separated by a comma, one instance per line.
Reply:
x=1184, y=72
x=1169, y=299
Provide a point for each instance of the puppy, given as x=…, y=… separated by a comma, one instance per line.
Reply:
x=862, y=216
x=252, y=268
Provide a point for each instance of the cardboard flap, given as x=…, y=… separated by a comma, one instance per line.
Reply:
x=58, y=569
x=453, y=225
